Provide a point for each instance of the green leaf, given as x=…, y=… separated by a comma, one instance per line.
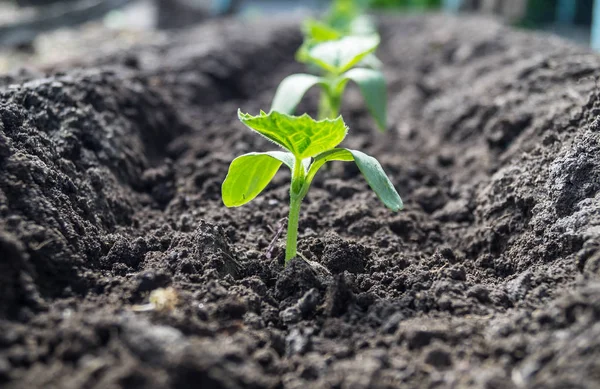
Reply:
x=371, y=61
x=362, y=25
x=340, y=55
x=372, y=86
x=324, y=157
x=301, y=135
x=343, y=12
x=371, y=170
x=319, y=31
x=291, y=90
x=250, y=173
x=378, y=180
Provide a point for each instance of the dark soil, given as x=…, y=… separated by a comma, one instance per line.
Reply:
x=110, y=188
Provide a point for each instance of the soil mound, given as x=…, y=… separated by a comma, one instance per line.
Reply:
x=110, y=188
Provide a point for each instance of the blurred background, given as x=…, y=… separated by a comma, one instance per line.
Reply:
x=46, y=31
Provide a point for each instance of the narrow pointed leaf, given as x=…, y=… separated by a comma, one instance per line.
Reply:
x=340, y=55
x=371, y=170
x=250, y=173
x=291, y=90
x=371, y=61
x=301, y=135
x=372, y=87
x=378, y=180
x=323, y=158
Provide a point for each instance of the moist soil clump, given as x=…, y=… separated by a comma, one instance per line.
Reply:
x=110, y=181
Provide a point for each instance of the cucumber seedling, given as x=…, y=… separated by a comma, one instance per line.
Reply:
x=337, y=60
x=316, y=31
x=308, y=145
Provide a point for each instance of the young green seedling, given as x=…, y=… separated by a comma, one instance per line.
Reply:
x=309, y=144
x=316, y=31
x=338, y=60
x=344, y=18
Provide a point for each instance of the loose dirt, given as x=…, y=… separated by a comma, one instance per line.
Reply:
x=110, y=188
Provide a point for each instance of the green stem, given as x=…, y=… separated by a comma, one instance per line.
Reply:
x=324, y=105
x=292, y=232
x=329, y=103
x=297, y=193
x=329, y=106
x=334, y=103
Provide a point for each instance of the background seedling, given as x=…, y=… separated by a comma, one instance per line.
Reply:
x=309, y=144
x=345, y=17
x=337, y=59
x=316, y=32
